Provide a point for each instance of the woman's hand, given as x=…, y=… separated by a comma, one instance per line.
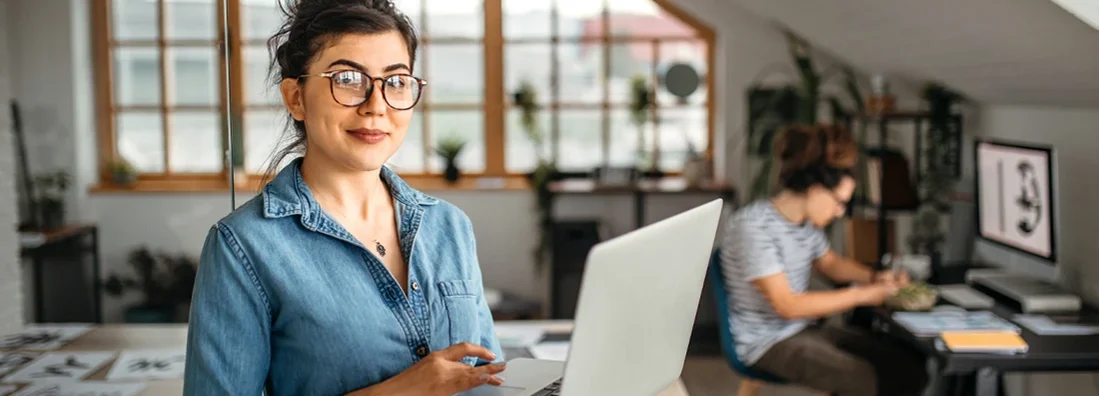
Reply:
x=442, y=373
x=898, y=278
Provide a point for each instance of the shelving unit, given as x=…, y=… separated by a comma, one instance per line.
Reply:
x=918, y=119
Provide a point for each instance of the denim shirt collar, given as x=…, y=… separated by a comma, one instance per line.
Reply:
x=287, y=194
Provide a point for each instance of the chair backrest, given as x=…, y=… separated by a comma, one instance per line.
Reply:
x=728, y=340
x=721, y=301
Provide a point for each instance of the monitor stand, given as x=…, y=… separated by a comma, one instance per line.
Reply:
x=1031, y=295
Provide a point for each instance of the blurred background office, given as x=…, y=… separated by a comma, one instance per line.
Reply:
x=115, y=154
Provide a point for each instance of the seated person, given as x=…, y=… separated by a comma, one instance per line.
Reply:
x=769, y=249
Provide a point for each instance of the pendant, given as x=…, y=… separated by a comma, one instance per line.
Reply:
x=380, y=248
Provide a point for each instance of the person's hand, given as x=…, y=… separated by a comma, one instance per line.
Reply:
x=897, y=278
x=442, y=373
x=877, y=293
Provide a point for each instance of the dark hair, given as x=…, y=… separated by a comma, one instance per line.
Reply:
x=815, y=155
x=310, y=26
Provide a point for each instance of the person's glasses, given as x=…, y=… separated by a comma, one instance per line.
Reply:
x=351, y=88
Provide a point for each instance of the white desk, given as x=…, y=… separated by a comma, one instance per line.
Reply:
x=114, y=337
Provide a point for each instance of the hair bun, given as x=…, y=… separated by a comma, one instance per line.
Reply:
x=804, y=146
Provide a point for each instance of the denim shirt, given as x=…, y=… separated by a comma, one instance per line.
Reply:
x=288, y=302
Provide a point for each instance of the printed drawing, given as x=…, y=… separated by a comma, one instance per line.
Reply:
x=60, y=366
x=85, y=388
x=148, y=364
x=43, y=337
x=10, y=361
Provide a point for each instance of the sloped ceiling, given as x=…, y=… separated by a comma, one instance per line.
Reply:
x=1030, y=52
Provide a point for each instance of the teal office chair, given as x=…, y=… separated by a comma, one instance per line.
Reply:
x=753, y=379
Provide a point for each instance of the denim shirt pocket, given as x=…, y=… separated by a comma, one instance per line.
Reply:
x=460, y=299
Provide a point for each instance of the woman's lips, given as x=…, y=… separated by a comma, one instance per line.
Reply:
x=370, y=136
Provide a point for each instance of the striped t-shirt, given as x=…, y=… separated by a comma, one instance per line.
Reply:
x=759, y=241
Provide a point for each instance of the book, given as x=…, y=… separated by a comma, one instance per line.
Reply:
x=984, y=341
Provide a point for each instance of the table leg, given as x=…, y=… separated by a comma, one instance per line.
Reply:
x=639, y=209
x=39, y=289
x=987, y=383
x=97, y=284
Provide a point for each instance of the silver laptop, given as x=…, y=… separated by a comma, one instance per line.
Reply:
x=637, y=305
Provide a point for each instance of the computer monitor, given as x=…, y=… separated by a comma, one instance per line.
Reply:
x=1015, y=194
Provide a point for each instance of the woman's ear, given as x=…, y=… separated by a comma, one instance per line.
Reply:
x=292, y=98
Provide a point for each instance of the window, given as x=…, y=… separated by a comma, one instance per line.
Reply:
x=163, y=91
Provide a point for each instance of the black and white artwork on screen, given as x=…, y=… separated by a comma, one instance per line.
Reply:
x=148, y=364
x=1016, y=206
x=10, y=361
x=82, y=388
x=43, y=337
x=60, y=366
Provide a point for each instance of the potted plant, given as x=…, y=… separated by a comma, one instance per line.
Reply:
x=642, y=99
x=51, y=198
x=123, y=172
x=165, y=282
x=937, y=177
x=450, y=148
x=695, y=167
x=772, y=109
x=526, y=100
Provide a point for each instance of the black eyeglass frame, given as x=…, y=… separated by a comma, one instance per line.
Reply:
x=369, y=91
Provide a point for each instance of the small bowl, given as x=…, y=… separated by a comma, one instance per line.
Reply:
x=921, y=302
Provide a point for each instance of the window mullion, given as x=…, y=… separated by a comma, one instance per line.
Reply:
x=236, y=92
x=165, y=86
x=493, y=52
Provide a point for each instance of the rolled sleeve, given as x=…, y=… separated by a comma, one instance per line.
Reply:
x=750, y=252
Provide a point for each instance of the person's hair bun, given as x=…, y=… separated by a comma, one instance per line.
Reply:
x=814, y=154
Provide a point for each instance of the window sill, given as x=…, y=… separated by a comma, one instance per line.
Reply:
x=425, y=183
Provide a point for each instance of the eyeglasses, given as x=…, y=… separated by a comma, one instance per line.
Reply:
x=351, y=88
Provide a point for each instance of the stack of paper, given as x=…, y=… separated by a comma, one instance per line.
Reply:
x=1044, y=325
x=931, y=324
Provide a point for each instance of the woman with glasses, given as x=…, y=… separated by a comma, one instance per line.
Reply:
x=339, y=278
x=769, y=249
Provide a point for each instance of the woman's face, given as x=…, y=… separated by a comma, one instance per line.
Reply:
x=355, y=138
x=825, y=205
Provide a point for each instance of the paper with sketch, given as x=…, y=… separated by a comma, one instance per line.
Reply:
x=43, y=336
x=10, y=361
x=84, y=388
x=60, y=366
x=518, y=335
x=556, y=350
x=147, y=364
x=6, y=389
x=1044, y=325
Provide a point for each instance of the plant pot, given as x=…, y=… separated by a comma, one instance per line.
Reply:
x=53, y=214
x=141, y=314
x=694, y=172
x=451, y=173
x=124, y=179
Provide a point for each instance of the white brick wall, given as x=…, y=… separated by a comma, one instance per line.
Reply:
x=11, y=290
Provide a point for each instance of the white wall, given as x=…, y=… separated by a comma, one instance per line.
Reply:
x=1074, y=134
x=11, y=290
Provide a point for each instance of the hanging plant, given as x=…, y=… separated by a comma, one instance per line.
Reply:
x=525, y=98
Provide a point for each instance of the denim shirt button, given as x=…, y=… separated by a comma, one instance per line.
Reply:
x=421, y=351
x=415, y=286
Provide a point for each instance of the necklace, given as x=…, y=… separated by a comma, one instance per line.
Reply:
x=377, y=244
x=379, y=247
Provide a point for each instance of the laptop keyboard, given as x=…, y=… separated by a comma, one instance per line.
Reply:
x=553, y=389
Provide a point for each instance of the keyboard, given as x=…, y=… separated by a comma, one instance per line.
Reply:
x=553, y=389
x=965, y=297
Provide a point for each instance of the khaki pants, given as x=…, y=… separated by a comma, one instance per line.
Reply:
x=846, y=362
